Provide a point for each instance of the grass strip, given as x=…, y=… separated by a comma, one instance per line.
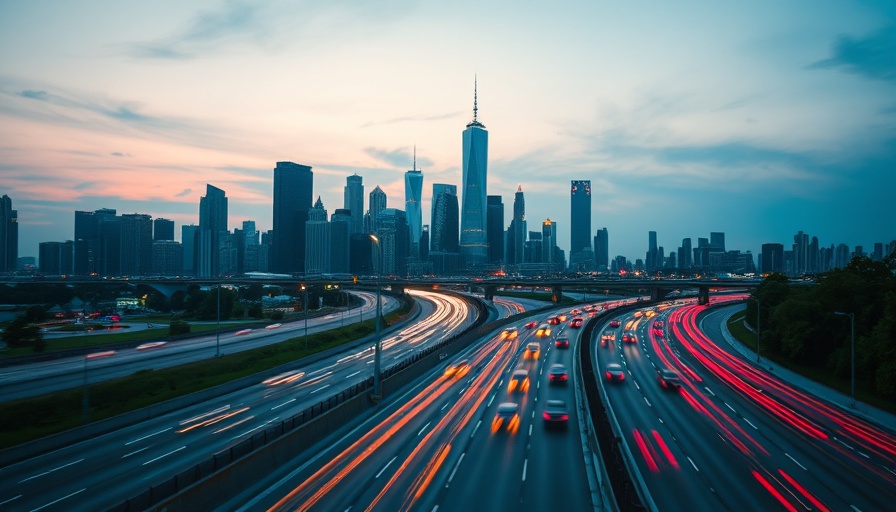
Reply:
x=33, y=418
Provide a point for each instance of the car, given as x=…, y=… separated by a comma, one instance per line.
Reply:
x=606, y=338
x=658, y=324
x=558, y=374
x=519, y=381
x=562, y=317
x=532, y=350
x=543, y=330
x=561, y=342
x=629, y=337
x=614, y=372
x=531, y=325
x=553, y=320
x=458, y=369
x=615, y=323
x=506, y=418
x=575, y=312
x=576, y=322
x=555, y=413
x=509, y=334
x=668, y=378
x=638, y=314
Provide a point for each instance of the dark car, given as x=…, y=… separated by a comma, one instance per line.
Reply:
x=615, y=372
x=668, y=379
x=561, y=342
x=555, y=413
x=507, y=418
x=519, y=381
x=557, y=374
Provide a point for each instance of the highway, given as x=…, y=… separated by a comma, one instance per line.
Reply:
x=46, y=377
x=104, y=471
x=733, y=437
x=437, y=448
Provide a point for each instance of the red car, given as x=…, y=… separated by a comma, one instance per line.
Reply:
x=615, y=323
x=576, y=322
x=561, y=343
x=531, y=325
x=553, y=320
x=629, y=338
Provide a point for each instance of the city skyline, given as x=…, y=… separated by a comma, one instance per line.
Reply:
x=762, y=121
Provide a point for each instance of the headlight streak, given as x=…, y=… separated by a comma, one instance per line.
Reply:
x=213, y=420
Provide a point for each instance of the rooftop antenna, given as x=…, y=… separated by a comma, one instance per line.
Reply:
x=475, y=98
x=415, y=158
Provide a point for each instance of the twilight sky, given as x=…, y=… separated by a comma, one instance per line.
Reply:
x=755, y=118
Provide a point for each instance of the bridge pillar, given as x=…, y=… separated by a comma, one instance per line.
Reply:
x=656, y=293
x=397, y=288
x=703, y=295
x=556, y=294
x=489, y=292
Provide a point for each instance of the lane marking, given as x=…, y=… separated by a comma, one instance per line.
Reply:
x=709, y=391
x=750, y=423
x=422, y=429
x=692, y=464
x=284, y=403
x=50, y=471
x=57, y=501
x=476, y=428
x=136, y=452
x=163, y=456
x=728, y=406
x=325, y=386
x=147, y=436
x=352, y=375
x=795, y=461
x=10, y=499
x=648, y=402
x=525, y=466
x=451, y=476
x=386, y=466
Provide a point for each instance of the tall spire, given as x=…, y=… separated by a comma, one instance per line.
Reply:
x=475, y=121
x=415, y=157
x=519, y=188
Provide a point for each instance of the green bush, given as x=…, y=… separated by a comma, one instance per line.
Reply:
x=178, y=327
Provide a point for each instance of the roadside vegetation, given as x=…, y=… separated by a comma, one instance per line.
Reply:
x=800, y=330
x=30, y=419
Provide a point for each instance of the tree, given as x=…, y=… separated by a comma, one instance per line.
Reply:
x=178, y=327
x=24, y=331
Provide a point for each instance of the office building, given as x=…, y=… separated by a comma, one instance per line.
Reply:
x=189, y=239
x=377, y=202
x=136, y=244
x=602, y=250
x=162, y=229
x=340, y=241
x=393, y=236
x=354, y=201
x=293, y=184
x=413, y=193
x=495, y=229
x=317, y=240
x=444, y=238
x=167, y=258
x=9, y=235
x=516, y=233
x=56, y=258
x=213, y=232
x=685, y=256
x=580, y=220
x=473, y=235
x=652, y=256
x=772, y=258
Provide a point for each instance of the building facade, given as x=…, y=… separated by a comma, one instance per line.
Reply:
x=293, y=186
x=473, y=219
x=579, y=221
x=353, y=200
x=213, y=232
x=9, y=235
x=495, y=229
x=413, y=193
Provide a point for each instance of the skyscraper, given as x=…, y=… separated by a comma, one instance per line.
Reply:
x=549, y=242
x=340, y=241
x=473, y=235
x=136, y=244
x=652, y=256
x=377, y=204
x=772, y=258
x=317, y=240
x=354, y=201
x=212, y=231
x=292, y=199
x=495, y=229
x=602, y=249
x=438, y=188
x=579, y=221
x=413, y=192
x=444, y=252
x=162, y=229
x=188, y=237
x=516, y=233
x=9, y=235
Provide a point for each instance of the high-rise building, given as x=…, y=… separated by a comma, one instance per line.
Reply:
x=250, y=233
x=167, y=258
x=444, y=247
x=189, y=240
x=495, y=229
x=772, y=259
x=213, y=231
x=109, y=260
x=340, y=241
x=549, y=242
x=473, y=235
x=87, y=242
x=354, y=201
x=377, y=204
x=393, y=236
x=717, y=241
x=56, y=258
x=685, y=254
x=602, y=249
x=413, y=193
x=516, y=233
x=136, y=244
x=800, y=253
x=162, y=229
x=438, y=188
x=317, y=240
x=651, y=259
x=580, y=218
x=293, y=185
x=9, y=235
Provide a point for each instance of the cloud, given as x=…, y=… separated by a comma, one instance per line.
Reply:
x=405, y=119
x=206, y=31
x=120, y=154
x=873, y=56
x=186, y=192
x=401, y=158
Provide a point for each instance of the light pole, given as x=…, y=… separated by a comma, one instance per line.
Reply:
x=377, y=392
x=852, y=354
x=218, y=330
x=305, y=309
x=758, y=327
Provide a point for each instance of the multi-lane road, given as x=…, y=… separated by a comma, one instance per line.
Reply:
x=105, y=471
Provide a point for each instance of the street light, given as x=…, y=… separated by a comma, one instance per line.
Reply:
x=852, y=354
x=377, y=392
x=218, y=330
x=758, y=327
x=305, y=309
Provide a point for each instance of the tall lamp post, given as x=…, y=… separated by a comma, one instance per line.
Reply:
x=218, y=329
x=305, y=310
x=377, y=392
x=852, y=354
x=758, y=327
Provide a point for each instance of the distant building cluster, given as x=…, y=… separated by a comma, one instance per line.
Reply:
x=466, y=235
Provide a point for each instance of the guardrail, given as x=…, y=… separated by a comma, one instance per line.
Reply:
x=213, y=481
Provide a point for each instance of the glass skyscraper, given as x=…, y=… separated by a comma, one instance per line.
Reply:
x=413, y=193
x=9, y=235
x=580, y=219
x=212, y=230
x=473, y=220
x=292, y=200
x=354, y=201
x=516, y=233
